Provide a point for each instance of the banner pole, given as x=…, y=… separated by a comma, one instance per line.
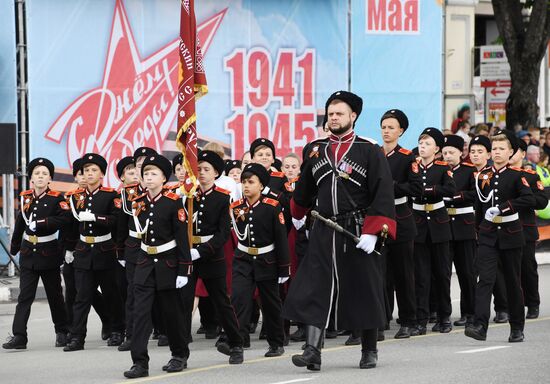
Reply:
x=190, y=221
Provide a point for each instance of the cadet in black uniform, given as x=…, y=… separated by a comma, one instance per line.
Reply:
x=345, y=178
x=95, y=211
x=128, y=240
x=460, y=208
x=502, y=192
x=400, y=252
x=69, y=237
x=43, y=213
x=261, y=258
x=211, y=227
x=431, y=248
x=529, y=274
x=163, y=267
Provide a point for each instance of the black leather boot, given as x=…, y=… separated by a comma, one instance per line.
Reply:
x=369, y=353
x=311, y=357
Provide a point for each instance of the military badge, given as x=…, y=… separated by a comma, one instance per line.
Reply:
x=540, y=186
x=181, y=215
x=524, y=181
x=63, y=205
x=281, y=218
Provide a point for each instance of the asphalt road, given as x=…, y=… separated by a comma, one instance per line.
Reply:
x=434, y=358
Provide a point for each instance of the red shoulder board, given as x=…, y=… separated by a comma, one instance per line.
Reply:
x=517, y=169
x=171, y=195
x=467, y=164
x=27, y=192
x=78, y=190
x=107, y=189
x=53, y=193
x=269, y=201
x=236, y=203
x=405, y=151
x=224, y=191
x=171, y=186
x=530, y=171
x=439, y=162
x=277, y=174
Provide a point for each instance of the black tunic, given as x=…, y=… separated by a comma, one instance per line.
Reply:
x=508, y=190
x=463, y=225
x=333, y=269
x=51, y=213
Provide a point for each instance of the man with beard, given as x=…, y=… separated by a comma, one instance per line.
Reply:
x=346, y=179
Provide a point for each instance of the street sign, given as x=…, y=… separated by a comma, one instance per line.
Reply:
x=492, y=54
x=494, y=66
x=496, y=105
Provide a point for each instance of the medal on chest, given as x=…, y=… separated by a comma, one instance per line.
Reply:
x=345, y=170
x=486, y=179
x=240, y=213
x=139, y=207
x=27, y=202
x=314, y=152
x=131, y=193
x=79, y=198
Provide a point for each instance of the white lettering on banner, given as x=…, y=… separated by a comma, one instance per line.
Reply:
x=392, y=16
x=271, y=101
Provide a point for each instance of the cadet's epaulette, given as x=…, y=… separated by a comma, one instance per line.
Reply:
x=277, y=174
x=171, y=195
x=78, y=190
x=269, y=201
x=53, y=193
x=27, y=192
x=439, y=162
x=236, y=203
x=224, y=191
x=467, y=164
x=107, y=189
x=530, y=171
x=405, y=151
x=517, y=169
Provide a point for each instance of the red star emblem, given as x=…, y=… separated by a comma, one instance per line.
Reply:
x=136, y=103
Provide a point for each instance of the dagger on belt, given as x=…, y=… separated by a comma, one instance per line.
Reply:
x=338, y=228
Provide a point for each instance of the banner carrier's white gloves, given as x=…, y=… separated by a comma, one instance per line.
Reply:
x=32, y=226
x=86, y=216
x=181, y=281
x=491, y=213
x=367, y=242
x=69, y=258
x=122, y=262
x=283, y=280
x=195, y=255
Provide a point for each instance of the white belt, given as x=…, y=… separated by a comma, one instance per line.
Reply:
x=428, y=207
x=39, y=239
x=505, y=219
x=460, y=211
x=256, y=251
x=95, y=239
x=134, y=234
x=401, y=200
x=201, y=239
x=153, y=250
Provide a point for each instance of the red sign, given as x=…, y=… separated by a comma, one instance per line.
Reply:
x=135, y=104
x=392, y=16
x=496, y=83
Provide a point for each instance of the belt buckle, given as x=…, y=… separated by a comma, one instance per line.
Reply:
x=152, y=250
x=497, y=219
x=138, y=235
x=253, y=251
x=33, y=239
x=428, y=207
x=451, y=211
x=90, y=240
x=196, y=239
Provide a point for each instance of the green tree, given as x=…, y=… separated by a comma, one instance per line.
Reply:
x=525, y=29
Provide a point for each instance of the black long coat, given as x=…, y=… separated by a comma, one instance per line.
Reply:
x=334, y=271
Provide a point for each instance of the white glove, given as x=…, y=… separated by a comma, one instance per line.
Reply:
x=123, y=263
x=86, y=216
x=181, y=281
x=69, y=258
x=32, y=226
x=178, y=191
x=367, y=243
x=491, y=213
x=283, y=280
x=195, y=255
x=299, y=223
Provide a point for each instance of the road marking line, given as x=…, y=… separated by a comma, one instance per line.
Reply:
x=286, y=356
x=293, y=381
x=484, y=349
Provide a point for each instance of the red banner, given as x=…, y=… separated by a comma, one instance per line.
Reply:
x=192, y=85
